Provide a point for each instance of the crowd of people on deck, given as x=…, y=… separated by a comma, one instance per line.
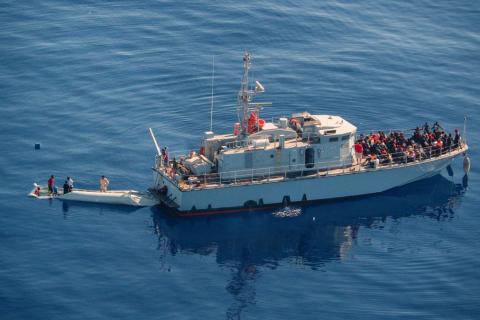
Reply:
x=426, y=142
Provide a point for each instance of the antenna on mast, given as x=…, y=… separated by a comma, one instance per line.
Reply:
x=211, y=104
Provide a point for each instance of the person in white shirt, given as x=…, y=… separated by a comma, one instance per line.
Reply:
x=104, y=184
x=70, y=183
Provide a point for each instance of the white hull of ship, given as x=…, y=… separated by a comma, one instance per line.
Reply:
x=311, y=188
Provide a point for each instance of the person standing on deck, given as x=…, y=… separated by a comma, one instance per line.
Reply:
x=456, y=140
x=104, y=184
x=358, y=152
x=165, y=156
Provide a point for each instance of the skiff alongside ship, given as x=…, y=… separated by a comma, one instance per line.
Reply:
x=302, y=158
x=119, y=197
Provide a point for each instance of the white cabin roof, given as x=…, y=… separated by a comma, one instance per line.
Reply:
x=328, y=122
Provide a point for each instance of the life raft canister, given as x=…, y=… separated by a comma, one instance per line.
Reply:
x=253, y=122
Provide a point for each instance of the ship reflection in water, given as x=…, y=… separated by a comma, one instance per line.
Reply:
x=309, y=236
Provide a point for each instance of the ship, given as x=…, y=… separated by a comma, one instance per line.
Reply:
x=297, y=159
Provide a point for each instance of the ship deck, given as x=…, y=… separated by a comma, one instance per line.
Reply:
x=272, y=175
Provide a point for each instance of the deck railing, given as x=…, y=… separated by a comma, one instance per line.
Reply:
x=177, y=154
x=326, y=168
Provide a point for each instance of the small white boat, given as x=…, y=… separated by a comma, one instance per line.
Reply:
x=123, y=197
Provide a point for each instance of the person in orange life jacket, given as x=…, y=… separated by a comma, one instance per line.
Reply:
x=374, y=161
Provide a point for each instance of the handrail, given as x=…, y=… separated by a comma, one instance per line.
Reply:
x=385, y=131
x=260, y=174
x=246, y=143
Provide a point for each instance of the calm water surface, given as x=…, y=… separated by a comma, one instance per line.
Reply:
x=86, y=79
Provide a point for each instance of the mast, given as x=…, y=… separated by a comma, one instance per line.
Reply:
x=245, y=96
x=211, y=105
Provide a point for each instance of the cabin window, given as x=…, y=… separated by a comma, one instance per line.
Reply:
x=345, y=137
x=334, y=139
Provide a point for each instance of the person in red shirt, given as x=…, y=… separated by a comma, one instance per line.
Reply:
x=51, y=185
x=358, y=152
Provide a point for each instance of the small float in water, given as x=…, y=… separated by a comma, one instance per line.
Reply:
x=122, y=197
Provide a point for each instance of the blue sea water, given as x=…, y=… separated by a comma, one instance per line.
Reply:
x=85, y=79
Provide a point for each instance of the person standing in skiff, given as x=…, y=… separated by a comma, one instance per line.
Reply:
x=104, y=184
x=51, y=185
